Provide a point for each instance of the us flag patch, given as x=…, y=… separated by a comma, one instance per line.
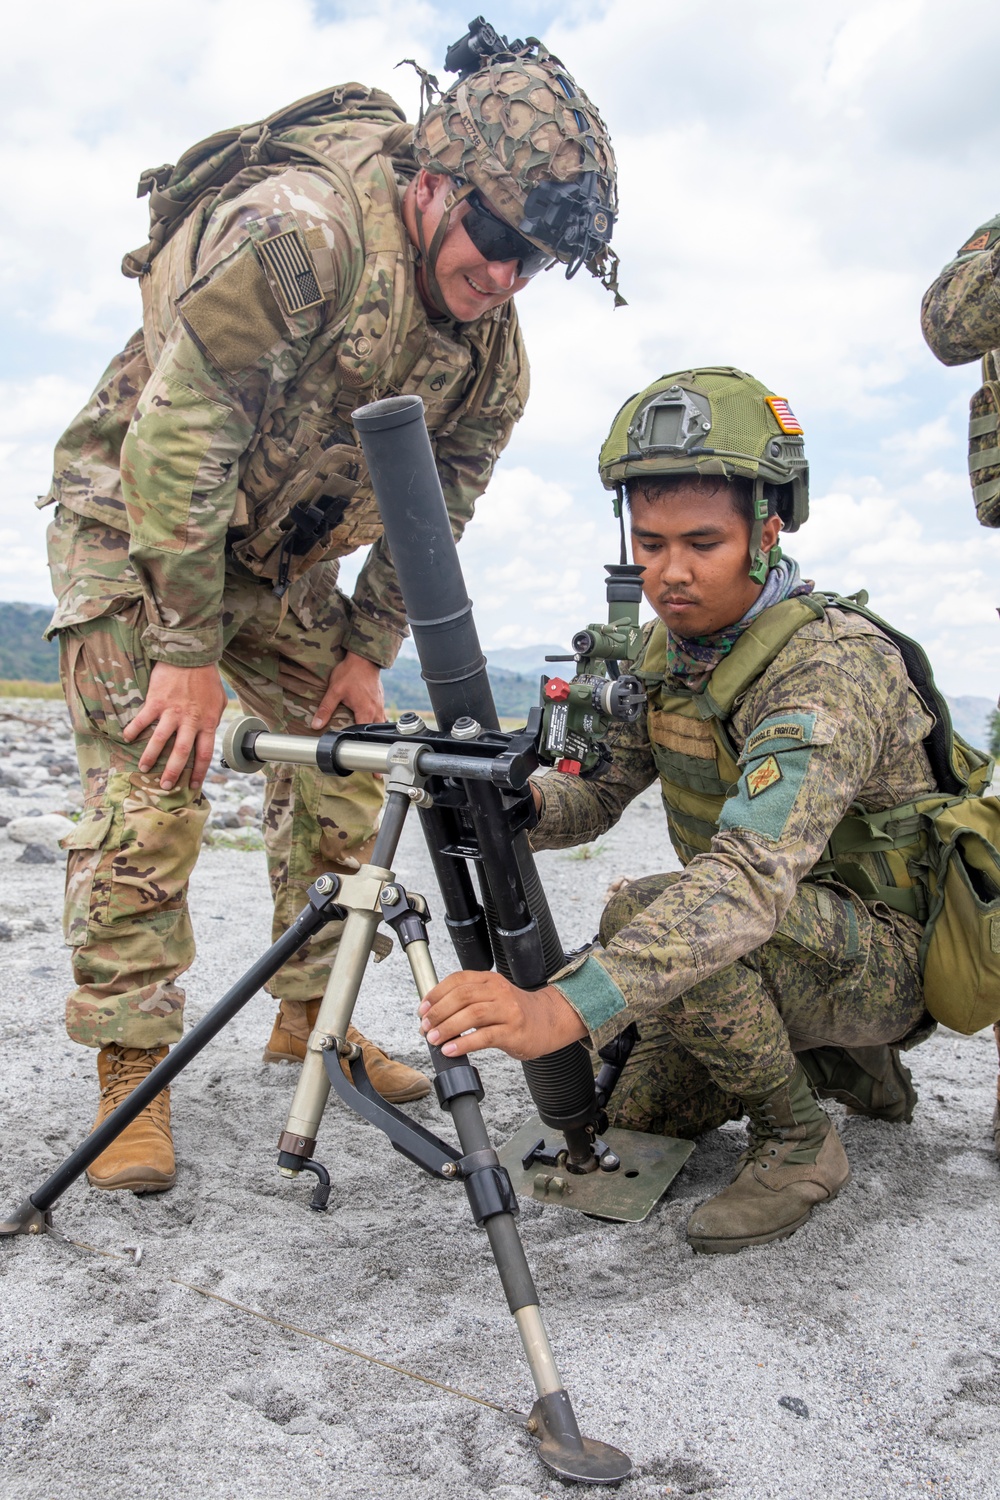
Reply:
x=785, y=417
x=286, y=258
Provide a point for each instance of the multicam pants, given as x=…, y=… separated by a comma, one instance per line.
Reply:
x=835, y=973
x=130, y=858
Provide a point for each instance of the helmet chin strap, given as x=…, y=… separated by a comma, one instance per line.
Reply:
x=429, y=253
x=760, y=561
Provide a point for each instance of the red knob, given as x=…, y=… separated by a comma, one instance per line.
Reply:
x=556, y=690
x=568, y=767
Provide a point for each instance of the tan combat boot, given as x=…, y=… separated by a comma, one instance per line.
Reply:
x=871, y=1081
x=794, y=1161
x=397, y=1083
x=142, y=1158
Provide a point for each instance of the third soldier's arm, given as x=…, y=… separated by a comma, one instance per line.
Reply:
x=960, y=314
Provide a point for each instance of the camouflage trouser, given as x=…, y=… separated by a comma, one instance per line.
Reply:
x=129, y=860
x=835, y=973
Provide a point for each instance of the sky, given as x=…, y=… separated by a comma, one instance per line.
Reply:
x=791, y=180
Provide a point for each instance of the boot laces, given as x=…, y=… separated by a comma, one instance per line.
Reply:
x=129, y=1066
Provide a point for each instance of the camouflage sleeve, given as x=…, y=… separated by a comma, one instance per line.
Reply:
x=575, y=811
x=466, y=459
x=274, y=267
x=817, y=731
x=960, y=313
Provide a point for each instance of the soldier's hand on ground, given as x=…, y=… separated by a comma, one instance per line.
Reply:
x=184, y=704
x=355, y=682
x=495, y=1013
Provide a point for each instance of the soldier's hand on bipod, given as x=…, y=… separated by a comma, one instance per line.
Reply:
x=495, y=1013
x=184, y=704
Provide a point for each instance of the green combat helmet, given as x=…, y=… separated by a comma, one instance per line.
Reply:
x=716, y=420
x=529, y=150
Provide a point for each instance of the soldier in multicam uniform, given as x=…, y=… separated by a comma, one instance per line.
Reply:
x=960, y=316
x=764, y=972
x=208, y=489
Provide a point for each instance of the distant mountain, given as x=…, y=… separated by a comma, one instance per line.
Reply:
x=23, y=653
x=405, y=688
x=513, y=671
x=527, y=661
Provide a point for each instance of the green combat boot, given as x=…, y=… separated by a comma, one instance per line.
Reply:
x=871, y=1081
x=794, y=1161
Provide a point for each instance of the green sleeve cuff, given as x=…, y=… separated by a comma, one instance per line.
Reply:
x=184, y=648
x=593, y=994
x=374, y=640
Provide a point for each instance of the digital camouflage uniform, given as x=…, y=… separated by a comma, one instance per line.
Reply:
x=960, y=316
x=267, y=319
x=738, y=961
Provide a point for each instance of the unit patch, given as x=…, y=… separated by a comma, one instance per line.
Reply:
x=291, y=270
x=980, y=242
x=763, y=776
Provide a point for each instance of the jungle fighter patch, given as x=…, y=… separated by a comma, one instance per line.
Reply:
x=292, y=271
x=773, y=732
x=763, y=776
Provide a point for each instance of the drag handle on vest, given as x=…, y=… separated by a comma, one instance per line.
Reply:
x=525, y=944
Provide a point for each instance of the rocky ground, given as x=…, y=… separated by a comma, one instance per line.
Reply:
x=858, y=1359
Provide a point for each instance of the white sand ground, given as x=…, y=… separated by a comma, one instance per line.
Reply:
x=116, y=1381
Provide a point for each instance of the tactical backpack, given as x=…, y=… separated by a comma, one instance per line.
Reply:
x=935, y=859
x=175, y=192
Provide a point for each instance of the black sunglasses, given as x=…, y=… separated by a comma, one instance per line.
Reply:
x=496, y=240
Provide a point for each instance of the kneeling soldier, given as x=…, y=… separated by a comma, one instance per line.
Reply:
x=776, y=965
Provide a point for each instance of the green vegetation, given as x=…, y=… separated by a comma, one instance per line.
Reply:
x=995, y=734
x=22, y=687
x=24, y=655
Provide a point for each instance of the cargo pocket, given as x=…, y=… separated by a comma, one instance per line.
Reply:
x=159, y=844
x=106, y=671
x=821, y=929
x=84, y=847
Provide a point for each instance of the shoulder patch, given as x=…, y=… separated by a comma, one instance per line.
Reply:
x=234, y=316
x=290, y=271
x=763, y=776
x=984, y=238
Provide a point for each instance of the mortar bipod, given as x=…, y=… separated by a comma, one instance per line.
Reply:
x=369, y=896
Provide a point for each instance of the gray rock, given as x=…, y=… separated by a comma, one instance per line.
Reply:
x=37, y=854
x=45, y=829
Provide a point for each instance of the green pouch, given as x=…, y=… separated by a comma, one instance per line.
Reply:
x=960, y=952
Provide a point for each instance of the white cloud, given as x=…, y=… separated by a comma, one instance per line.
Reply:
x=791, y=180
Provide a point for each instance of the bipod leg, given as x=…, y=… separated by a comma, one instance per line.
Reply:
x=33, y=1216
x=552, y=1422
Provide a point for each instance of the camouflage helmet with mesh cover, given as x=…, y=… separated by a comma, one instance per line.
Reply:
x=522, y=134
x=713, y=421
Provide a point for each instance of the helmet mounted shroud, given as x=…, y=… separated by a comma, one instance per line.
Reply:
x=471, y=51
x=525, y=144
x=714, y=421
